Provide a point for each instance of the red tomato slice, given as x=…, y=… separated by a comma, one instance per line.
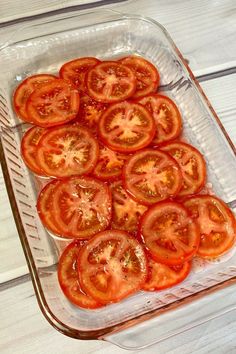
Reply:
x=90, y=112
x=54, y=103
x=67, y=150
x=162, y=276
x=151, y=176
x=146, y=74
x=217, y=224
x=29, y=148
x=126, y=127
x=110, y=164
x=110, y=82
x=166, y=115
x=125, y=211
x=75, y=71
x=25, y=89
x=44, y=207
x=69, y=279
x=169, y=233
x=112, y=266
x=82, y=206
x=192, y=165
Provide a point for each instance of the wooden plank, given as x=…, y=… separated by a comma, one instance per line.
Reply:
x=11, y=9
x=23, y=330
x=13, y=262
x=191, y=24
x=203, y=30
x=221, y=93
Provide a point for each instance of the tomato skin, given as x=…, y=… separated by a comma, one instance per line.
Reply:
x=44, y=207
x=162, y=276
x=67, y=150
x=75, y=71
x=69, y=279
x=29, y=145
x=122, y=111
x=54, y=103
x=82, y=206
x=217, y=224
x=192, y=164
x=166, y=115
x=146, y=198
x=146, y=74
x=169, y=234
x=112, y=266
x=110, y=82
x=23, y=91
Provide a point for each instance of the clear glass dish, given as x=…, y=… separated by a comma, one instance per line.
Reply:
x=144, y=318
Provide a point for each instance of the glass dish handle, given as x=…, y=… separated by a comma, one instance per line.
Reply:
x=170, y=323
x=57, y=23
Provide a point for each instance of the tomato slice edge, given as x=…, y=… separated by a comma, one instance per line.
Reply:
x=142, y=257
x=170, y=261
x=83, y=300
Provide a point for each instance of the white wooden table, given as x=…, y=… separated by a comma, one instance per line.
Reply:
x=205, y=32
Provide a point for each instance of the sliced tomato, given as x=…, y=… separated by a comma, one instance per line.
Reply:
x=146, y=74
x=126, y=127
x=217, y=224
x=67, y=150
x=192, y=165
x=90, y=112
x=110, y=82
x=169, y=233
x=112, y=266
x=75, y=71
x=126, y=212
x=24, y=90
x=151, y=176
x=29, y=148
x=110, y=164
x=166, y=115
x=162, y=276
x=82, y=206
x=44, y=207
x=69, y=279
x=54, y=103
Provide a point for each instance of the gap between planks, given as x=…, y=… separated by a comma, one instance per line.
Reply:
x=216, y=74
x=14, y=282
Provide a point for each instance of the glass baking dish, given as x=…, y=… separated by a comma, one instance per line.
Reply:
x=144, y=318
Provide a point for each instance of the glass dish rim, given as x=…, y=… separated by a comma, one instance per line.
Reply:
x=52, y=319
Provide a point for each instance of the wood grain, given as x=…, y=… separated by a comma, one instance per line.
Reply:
x=222, y=95
x=23, y=329
x=12, y=258
x=11, y=9
x=203, y=30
